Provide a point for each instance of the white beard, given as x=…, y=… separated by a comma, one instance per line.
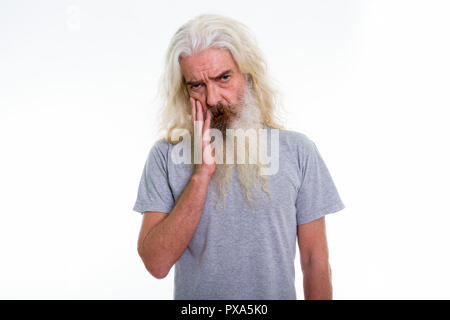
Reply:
x=249, y=117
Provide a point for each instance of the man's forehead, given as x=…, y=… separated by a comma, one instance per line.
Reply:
x=211, y=62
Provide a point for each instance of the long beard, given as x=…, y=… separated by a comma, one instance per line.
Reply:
x=222, y=116
x=247, y=116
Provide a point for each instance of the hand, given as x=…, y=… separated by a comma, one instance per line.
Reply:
x=208, y=165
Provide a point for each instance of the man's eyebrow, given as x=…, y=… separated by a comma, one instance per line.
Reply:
x=193, y=82
x=222, y=74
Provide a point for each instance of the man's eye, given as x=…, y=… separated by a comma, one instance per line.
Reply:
x=226, y=77
x=195, y=86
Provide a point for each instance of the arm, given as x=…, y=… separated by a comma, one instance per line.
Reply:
x=316, y=269
x=164, y=237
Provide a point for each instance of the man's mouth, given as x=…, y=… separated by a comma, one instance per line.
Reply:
x=219, y=111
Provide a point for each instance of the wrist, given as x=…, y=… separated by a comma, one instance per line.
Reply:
x=201, y=176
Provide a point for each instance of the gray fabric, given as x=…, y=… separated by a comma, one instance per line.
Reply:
x=240, y=252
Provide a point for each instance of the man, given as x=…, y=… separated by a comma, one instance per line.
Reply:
x=215, y=78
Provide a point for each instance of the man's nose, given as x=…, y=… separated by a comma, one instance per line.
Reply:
x=212, y=96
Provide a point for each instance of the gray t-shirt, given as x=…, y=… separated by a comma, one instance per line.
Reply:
x=238, y=251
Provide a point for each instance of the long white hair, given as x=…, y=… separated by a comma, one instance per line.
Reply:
x=201, y=33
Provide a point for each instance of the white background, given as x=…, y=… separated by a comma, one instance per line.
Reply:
x=367, y=81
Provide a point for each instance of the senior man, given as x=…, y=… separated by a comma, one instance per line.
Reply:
x=230, y=228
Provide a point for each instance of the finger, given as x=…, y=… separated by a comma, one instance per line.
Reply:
x=198, y=117
x=196, y=111
x=204, y=109
x=193, y=113
x=198, y=126
x=206, y=139
x=208, y=155
x=207, y=126
x=199, y=111
x=208, y=119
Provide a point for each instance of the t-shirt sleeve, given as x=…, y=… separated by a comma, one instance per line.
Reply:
x=154, y=193
x=317, y=195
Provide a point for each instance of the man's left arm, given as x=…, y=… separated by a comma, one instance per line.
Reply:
x=312, y=242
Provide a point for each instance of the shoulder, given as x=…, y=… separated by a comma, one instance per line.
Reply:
x=160, y=150
x=296, y=146
x=161, y=145
x=295, y=141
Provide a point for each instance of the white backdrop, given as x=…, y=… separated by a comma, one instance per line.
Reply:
x=368, y=81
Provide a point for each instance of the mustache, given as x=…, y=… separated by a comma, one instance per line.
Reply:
x=222, y=109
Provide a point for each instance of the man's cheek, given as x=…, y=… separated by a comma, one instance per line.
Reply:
x=197, y=96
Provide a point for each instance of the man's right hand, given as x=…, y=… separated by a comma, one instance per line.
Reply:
x=164, y=237
x=208, y=165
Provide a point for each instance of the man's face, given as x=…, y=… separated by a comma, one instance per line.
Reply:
x=213, y=78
